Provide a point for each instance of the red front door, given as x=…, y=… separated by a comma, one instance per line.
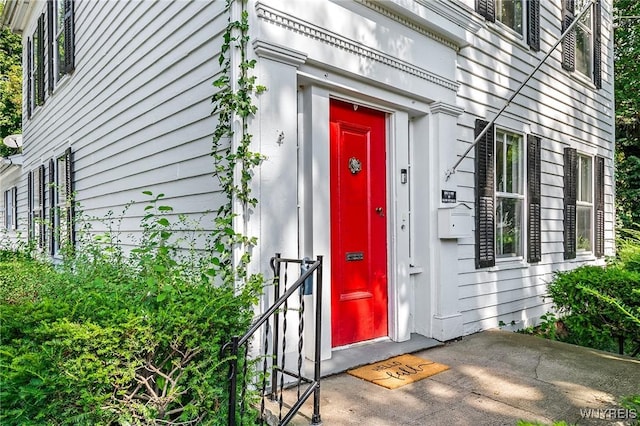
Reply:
x=358, y=224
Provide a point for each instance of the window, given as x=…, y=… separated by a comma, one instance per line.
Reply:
x=35, y=67
x=51, y=48
x=36, y=194
x=583, y=204
x=521, y=16
x=510, y=13
x=581, y=48
x=52, y=206
x=10, y=208
x=63, y=211
x=500, y=196
x=38, y=63
x=64, y=45
x=509, y=167
x=584, y=41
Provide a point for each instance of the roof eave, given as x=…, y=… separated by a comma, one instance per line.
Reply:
x=15, y=13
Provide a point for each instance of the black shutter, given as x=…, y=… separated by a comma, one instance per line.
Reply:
x=41, y=201
x=68, y=163
x=570, y=190
x=597, y=44
x=30, y=206
x=69, y=38
x=599, y=206
x=485, y=198
x=534, y=252
x=29, y=77
x=52, y=207
x=533, y=24
x=40, y=62
x=50, y=47
x=569, y=42
x=487, y=9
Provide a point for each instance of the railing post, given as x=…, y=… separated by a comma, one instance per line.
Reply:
x=276, y=324
x=315, y=419
x=233, y=381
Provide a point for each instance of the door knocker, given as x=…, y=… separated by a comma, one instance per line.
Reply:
x=354, y=165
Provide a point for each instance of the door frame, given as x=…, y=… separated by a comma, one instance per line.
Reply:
x=314, y=201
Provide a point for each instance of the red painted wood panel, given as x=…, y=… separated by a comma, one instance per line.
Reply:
x=358, y=224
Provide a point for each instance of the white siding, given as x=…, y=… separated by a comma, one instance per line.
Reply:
x=565, y=111
x=137, y=109
x=137, y=113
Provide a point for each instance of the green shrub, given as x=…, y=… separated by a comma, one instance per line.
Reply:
x=601, y=305
x=114, y=339
x=632, y=403
x=628, y=250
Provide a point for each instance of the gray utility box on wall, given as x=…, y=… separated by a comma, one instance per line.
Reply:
x=454, y=221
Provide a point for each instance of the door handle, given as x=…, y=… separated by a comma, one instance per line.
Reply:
x=380, y=211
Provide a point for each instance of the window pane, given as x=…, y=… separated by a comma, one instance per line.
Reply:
x=509, y=12
x=35, y=190
x=583, y=229
x=586, y=175
x=579, y=6
x=514, y=156
x=583, y=50
x=8, y=209
x=500, y=178
x=508, y=227
x=60, y=37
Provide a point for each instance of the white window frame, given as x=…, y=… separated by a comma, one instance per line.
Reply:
x=60, y=209
x=584, y=204
x=520, y=195
x=58, y=25
x=523, y=18
x=584, y=26
x=10, y=219
x=36, y=213
x=33, y=71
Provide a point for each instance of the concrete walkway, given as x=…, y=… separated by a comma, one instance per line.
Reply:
x=495, y=378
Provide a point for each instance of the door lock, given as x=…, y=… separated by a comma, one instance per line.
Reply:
x=379, y=211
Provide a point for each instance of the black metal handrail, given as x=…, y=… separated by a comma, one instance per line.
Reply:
x=277, y=370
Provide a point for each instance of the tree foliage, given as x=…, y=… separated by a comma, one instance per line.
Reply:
x=10, y=85
x=627, y=97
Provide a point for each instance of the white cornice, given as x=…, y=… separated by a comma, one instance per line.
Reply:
x=454, y=11
x=307, y=29
x=279, y=53
x=444, y=108
x=448, y=22
x=379, y=7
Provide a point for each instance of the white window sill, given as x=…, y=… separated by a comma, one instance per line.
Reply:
x=509, y=34
x=506, y=264
x=582, y=79
x=585, y=256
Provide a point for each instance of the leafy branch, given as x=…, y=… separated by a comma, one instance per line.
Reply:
x=234, y=162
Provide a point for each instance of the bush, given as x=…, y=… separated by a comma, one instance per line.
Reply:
x=602, y=306
x=628, y=250
x=108, y=338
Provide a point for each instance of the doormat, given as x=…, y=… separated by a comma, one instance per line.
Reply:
x=398, y=371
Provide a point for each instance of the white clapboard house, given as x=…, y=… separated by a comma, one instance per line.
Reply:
x=370, y=109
